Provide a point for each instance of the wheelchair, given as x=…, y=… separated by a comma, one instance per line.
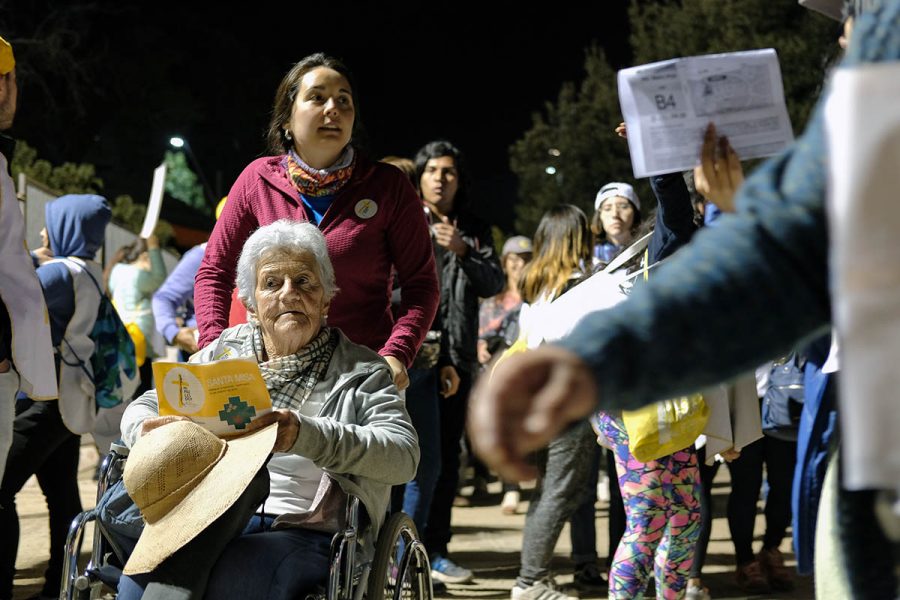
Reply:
x=399, y=568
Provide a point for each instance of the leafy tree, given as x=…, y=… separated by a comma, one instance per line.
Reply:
x=498, y=239
x=805, y=41
x=573, y=137
x=71, y=178
x=67, y=178
x=571, y=149
x=182, y=183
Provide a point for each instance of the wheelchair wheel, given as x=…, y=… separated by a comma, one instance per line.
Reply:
x=400, y=568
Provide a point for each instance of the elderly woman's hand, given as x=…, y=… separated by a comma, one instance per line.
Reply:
x=154, y=422
x=288, y=427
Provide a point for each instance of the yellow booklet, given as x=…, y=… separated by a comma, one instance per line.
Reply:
x=223, y=396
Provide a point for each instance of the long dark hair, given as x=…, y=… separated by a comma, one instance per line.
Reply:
x=438, y=149
x=286, y=93
x=126, y=254
x=562, y=246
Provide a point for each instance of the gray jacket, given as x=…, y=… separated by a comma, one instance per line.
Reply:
x=362, y=437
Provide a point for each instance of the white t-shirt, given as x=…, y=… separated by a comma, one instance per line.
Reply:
x=293, y=479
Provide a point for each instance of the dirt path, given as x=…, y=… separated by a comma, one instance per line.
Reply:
x=485, y=540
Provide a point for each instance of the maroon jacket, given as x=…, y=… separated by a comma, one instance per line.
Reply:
x=362, y=244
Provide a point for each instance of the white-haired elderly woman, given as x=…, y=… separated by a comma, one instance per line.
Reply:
x=340, y=420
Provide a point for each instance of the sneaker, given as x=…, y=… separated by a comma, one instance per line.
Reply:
x=510, y=503
x=444, y=569
x=588, y=577
x=778, y=575
x=750, y=578
x=697, y=592
x=539, y=590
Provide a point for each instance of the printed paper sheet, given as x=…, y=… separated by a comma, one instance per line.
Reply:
x=667, y=106
x=223, y=396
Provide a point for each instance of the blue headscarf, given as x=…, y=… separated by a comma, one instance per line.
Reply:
x=76, y=224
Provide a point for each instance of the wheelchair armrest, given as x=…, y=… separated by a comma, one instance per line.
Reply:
x=121, y=449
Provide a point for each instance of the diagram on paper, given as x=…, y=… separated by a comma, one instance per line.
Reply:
x=745, y=88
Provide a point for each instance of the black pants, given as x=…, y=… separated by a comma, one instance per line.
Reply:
x=187, y=572
x=871, y=566
x=453, y=421
x=41, y=446
x=779, y=457
x=5, y=333
x=616, y=508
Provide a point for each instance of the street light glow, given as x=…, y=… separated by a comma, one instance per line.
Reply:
x=550, y=170
x=554, y=152
x=176, y=141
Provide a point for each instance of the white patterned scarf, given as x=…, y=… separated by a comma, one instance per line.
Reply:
x=291, y=379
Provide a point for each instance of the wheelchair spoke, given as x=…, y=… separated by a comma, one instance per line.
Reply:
x=403, y=571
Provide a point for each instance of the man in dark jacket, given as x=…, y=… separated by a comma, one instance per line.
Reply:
x=468, y=268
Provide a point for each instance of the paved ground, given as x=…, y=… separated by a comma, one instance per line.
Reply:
x=485, y=540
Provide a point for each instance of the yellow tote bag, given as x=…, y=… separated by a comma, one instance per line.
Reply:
x=140, y=343
x=518, y=347
x=521, y=343
x=663, y=428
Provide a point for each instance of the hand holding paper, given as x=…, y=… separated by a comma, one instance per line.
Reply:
x=223, y=396
x=667, y=105
x=288, y=428
x=719, y=174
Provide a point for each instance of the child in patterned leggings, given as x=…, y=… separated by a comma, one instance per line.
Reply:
x=662, y=508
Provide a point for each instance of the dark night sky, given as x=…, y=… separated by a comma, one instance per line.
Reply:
x=471, y=72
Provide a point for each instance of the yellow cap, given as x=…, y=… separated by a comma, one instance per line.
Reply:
x=7, y=61
x=220, y=206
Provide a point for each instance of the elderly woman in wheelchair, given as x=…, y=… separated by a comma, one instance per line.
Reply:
x=221, y=520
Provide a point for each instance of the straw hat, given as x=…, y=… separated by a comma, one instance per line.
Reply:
x=182, y=478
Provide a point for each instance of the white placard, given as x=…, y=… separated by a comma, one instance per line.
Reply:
x=862, y=119
x=667, y=106
x=156, y=198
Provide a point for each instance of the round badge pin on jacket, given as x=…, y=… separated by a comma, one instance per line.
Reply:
x=366, y=209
